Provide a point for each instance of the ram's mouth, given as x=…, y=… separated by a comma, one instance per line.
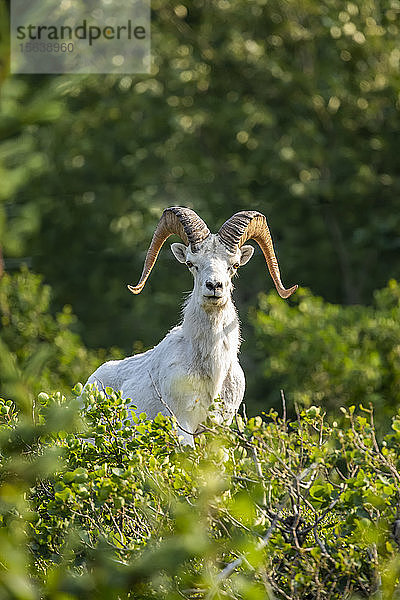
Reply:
x=213, y=299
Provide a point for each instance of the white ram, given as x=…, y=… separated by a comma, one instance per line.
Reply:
x=197, y=361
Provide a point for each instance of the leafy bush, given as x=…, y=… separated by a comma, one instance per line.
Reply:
x=38, y=350
x=328, y=354
x=267, y=509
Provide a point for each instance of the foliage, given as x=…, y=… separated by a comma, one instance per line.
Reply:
x=327, y=354
x=287, y=107
x=267, y=509
x=37, y=350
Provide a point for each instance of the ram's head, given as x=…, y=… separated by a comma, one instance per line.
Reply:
x=213, y=258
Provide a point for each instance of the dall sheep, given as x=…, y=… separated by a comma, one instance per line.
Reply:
x=197, y=361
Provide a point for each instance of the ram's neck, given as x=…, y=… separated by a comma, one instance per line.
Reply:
x=213, y=333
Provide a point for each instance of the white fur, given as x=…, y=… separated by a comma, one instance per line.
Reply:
x=197, y=361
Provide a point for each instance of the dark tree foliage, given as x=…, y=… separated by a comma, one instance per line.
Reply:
x=290, y=108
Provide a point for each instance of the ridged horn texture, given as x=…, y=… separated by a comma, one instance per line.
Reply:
x=252, y=225
x=181, y=221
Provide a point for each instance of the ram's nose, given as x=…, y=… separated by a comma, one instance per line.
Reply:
x=214, y=286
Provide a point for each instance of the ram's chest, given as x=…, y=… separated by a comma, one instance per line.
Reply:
x=193, y=392
x=211, y=363
x=201, y=381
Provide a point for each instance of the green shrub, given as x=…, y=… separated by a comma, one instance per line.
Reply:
x=268, y=508
x=38, y=350
x=327, y=354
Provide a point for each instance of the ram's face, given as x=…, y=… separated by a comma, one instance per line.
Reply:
x=212, y=267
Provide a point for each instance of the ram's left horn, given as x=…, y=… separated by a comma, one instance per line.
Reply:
x=252, y=225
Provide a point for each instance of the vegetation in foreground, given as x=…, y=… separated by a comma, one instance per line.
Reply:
x=267, y=509
x=301, y=506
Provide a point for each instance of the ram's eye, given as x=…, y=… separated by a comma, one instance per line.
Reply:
x=189, y=264
x=236, y=265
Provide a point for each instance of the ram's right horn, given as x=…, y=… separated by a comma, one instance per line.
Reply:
x=175, y=220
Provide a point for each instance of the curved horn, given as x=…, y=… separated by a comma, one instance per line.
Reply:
x=247, y=225
x=181, y=221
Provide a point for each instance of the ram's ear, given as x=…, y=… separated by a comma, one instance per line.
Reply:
x=247, y=253
x=179, y=251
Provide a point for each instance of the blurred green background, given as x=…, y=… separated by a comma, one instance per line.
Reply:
x=288, y=107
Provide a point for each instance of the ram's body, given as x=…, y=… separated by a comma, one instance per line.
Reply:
x=185, y=372
x=197, y=361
